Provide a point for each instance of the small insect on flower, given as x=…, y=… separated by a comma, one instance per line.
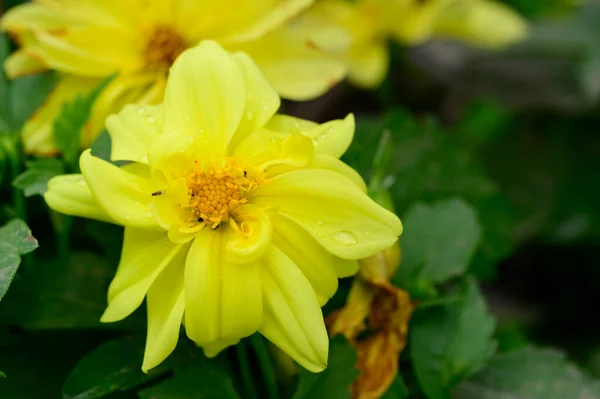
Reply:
x=260, y=220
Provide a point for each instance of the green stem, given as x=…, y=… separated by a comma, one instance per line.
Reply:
x=244, y=363
x=62, y=226
x=11, y=149
x=266, y=365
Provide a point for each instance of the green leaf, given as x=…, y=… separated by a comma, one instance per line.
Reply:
x=530, y=373
x=113, y=366
x=34, y=181
x=451, y=342
x=397, y=390
x=2, y=375
x=15, y=240
x=335, y=381
x=201, y=381
x=27, y=94
x=71, y=121
x=52, y=294
x=438, y=243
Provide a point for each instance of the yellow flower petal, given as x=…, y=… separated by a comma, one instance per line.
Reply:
x=293, y=320
x=333, y=209
x=484, y=23
x=323, y=161
x=295, y=69
x=124, y=89
x=290, y=124
x=37, y=133
x=241, y=302
x=262, y=100
x=214, y=348
x=243, y=20
x=74, y=43
x=21, y=63
x=314, y=261
x=250, y=237
x=331, y=138
x=145, y=255
x=368, y=63
x=124, y=193
x=345, y=268
x=205, y=96
x=202, y=288
x=275, y=153
x=166, y=304
x=132, y=131
x=70, y=194
x=166, y=205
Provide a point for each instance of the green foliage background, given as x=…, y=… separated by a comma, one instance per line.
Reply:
x=493, y=164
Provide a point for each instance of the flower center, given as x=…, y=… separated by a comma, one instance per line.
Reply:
x=215, y=193
x=163, y=46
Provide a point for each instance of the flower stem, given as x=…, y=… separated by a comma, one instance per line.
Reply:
x=244, y=363
x=11, y=149
x=266, y=366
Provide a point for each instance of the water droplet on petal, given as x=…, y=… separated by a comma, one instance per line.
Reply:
x=367, y=232
x=311, y=230
x=250, y=115
x=345, y=238
x=320, y=222
x=141, y=111
x=151, y=119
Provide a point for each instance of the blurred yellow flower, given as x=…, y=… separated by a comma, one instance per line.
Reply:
x=358, y=31
x=236, y=219
x=86, y=41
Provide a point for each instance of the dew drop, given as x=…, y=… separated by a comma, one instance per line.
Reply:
x=345, y=238
x=141, y=111
x=367, y=232
x=81, y=182
x=320, y=222
x=250, y=115
x=151, y=119
x=311, y=230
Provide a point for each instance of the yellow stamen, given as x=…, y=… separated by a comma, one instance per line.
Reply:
x=216, y=192
x=163, y=46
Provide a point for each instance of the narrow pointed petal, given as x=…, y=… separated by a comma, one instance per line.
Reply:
x=205, y=96
x=315, y=263
x=341, y=217
x=345, y=268
x=368, y=63
x=295, y=69
x=166, y=304
x=21, y=63
x=241, y=302
x=124, y=193
x=214, y=348
x=332, y=138
x=293, y=318
x=203, y=271
x=145, y=255
x=262, y=100
x=70, y=194
x=132, y=130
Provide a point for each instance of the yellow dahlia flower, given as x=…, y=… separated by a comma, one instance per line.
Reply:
x=86, y=41
x=358, y=31
x=236, y=219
